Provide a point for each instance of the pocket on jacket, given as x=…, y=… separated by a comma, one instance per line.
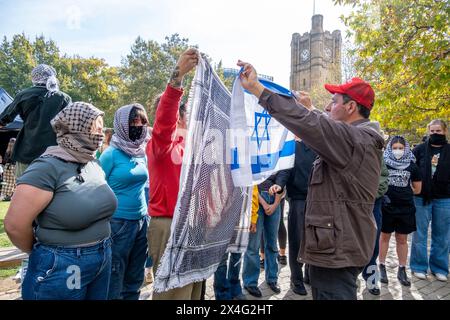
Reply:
x=317, y=172
x=320, y=236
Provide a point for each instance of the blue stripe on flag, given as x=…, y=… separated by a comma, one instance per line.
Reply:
x=265, y=162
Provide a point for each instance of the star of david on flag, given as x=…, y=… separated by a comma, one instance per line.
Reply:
x=260, y=145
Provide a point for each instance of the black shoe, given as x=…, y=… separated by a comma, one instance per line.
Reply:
x=254, y=291
x=383, y=274
x=261, y=264
x=300, y=290
x=401, y=275
x=282, y=260
x=375, y=290
x=275, y=288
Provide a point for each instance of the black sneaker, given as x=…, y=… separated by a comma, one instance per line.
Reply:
x=254, y=291
x=383, y=274
x=373, y=289
x=282, y=260
x=299, y=289
x=275, y=288
x=402, y=277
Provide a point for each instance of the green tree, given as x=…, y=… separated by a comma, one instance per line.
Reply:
x=402, y=47
x=92, y=80
x=147, y=69
x=227, y=81
x=17, y=61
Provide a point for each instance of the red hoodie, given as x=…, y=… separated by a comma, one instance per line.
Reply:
x=164, y=154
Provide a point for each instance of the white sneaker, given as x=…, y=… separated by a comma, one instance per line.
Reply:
x=420, y=275
x=440, y=277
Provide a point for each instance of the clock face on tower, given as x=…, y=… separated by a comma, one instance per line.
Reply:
x=305, y=55
x=328, y=53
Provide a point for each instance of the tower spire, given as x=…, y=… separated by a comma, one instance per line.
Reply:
x=314, y=7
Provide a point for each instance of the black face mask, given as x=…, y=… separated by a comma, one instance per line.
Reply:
x=438, y=139
x=135, y=132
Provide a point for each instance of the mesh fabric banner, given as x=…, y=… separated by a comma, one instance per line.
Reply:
x=211, y=214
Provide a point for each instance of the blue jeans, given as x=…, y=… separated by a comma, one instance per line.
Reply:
x=61, y=273
x=371, y=268
x=268, y=225
x=226, y=278
x=129, y=254
x=438, y=212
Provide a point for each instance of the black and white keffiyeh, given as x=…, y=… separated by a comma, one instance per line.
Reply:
x=121, y=138
x=212, y=215
x=404, y=161
x=45, y=75
x=73, y=127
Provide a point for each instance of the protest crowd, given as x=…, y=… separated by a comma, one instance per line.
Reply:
x=106, y=203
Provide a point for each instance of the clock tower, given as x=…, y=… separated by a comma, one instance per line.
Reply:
x=315, y=57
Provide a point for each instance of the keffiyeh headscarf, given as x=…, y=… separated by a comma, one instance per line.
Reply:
x=45, y=75
x=404, y=161
x=73, y=127
x=121, y=138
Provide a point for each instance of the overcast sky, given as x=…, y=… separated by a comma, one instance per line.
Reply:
x=258, y=31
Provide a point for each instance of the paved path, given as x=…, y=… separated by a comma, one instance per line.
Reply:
x=430, y=289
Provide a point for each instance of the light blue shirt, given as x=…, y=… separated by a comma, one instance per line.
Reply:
x=126, y=176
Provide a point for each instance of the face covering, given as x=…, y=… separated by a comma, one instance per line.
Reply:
x=135, y=132
x=398, y=153
x=438, y=139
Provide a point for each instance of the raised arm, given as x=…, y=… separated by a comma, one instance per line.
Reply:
x=332, y=140
x=166, y=118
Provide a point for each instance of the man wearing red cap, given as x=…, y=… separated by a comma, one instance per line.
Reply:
x=340, y=229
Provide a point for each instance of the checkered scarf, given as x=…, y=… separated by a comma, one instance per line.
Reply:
x=402, y=163
x=45, y=75
x=73, y=127
x=121, y=138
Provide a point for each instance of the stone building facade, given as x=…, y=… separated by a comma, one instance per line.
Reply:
x=315, y=57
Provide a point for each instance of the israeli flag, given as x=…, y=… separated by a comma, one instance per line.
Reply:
x=260, y=145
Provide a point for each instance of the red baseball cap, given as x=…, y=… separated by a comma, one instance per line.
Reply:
x=357, y=89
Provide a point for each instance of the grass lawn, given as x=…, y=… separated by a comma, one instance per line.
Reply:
x=4, y=240
x=8, y=272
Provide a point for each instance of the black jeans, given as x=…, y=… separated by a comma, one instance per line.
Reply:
x=296, y=221
x=334, y=284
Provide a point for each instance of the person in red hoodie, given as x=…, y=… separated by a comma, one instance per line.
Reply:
x=164, y=154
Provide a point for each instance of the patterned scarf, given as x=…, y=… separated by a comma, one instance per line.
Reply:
x=121, y=138
x=45, y=75
x=404, y=161
x=73, y=127
x=208, y=219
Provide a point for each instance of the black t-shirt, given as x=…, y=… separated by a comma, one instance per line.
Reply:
x=439, y=190
x=400, y=197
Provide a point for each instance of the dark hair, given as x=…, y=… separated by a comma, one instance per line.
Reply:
x=108, y=135
x=363, y=111
x=400, y=140
x=182, y=110
x=138, y=113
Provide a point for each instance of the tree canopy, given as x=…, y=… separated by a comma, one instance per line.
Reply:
x=402, y=47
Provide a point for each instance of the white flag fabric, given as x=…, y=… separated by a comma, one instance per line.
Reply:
x=211, y=215
x=260, y=145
